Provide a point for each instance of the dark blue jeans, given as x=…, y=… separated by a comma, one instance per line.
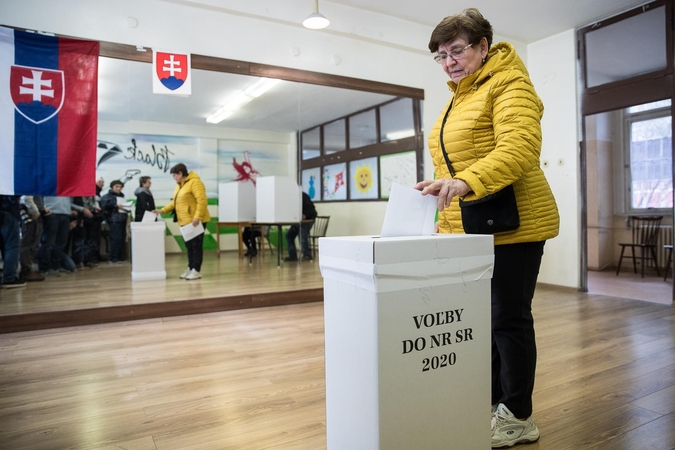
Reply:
x=118, y=237
x=54, y=240
x=11, y=236
x=514, y=350
x=195, y=251
x=292, y=233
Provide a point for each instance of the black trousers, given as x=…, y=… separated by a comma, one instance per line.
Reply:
x=195, y=251
x=514, y=350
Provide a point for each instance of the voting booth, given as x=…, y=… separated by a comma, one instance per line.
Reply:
x=147, y=251
x=278, y=199
x=408, y=352
x=236, y=202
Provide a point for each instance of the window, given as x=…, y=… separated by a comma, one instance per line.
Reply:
x=648, y=159
x=357, y=157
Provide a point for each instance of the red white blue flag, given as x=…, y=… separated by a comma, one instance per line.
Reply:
x=171, y=73
x=48, y=114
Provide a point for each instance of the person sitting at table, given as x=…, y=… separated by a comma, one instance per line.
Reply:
x=249, y=236
x=308, y=214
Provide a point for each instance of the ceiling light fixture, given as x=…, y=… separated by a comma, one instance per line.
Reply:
x=241, y=98
x=316, y=20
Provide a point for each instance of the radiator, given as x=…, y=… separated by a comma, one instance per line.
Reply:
x=665, y=237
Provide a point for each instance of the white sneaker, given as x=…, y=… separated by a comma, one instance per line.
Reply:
x=193, y=275
x=185, y=274
x=508, y=431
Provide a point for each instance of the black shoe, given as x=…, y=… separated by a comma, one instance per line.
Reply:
x=13, y=284
x=253, y=253
x=248, y=252
x=289, y=259
x=307, y=258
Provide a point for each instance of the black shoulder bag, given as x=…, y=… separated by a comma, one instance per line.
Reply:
x=494, y=213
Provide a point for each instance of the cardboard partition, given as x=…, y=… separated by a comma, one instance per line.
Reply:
x=408, y=353
x=236, y=202
x=278, y=199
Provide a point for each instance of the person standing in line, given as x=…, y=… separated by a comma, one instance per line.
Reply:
x=112, y=205
x=31, y=230
x=189, y=205
x=308, y=213
x=144, y=199
x=490, y=131
x=55, y=231
x=10, y=236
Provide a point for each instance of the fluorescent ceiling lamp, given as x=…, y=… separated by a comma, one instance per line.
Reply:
x=255, y=90
x=316, y=20
x=261, y=86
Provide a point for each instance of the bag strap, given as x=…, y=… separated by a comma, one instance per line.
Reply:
x=440, y=138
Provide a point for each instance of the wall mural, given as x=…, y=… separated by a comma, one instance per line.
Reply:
x=127, y=157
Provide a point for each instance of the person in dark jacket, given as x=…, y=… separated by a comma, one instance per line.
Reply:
x=144, y=199
x=10, y=234
x=116, y=216
x=308, y=213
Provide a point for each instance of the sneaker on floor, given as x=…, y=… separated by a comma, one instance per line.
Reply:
x=54, y=273
x=508, y=431
x=16, y=283
x=193, y=275
x=290, y=258
x=185, y=274
x=307, y=258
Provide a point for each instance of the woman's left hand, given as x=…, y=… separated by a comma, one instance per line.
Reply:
x=195, y=222
x=443, y=188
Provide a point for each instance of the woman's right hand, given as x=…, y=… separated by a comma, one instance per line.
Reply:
x=445, y=189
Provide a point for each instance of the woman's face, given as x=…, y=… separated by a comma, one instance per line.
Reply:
x=467, y=59
x=178, y=176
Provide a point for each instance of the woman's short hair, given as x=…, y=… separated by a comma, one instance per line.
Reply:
x=469, y=24
x=179, y=168
x=143, y=180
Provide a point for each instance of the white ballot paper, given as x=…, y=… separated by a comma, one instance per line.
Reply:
x=409, y=213
x=149, y=216
x=189, y=232
x=125, y=204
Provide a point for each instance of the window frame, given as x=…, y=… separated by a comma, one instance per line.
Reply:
x=627, y=120
x=380, y=148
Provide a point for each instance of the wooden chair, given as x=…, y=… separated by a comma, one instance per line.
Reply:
x=644, y=233
x=262, y=238
x=318, y=231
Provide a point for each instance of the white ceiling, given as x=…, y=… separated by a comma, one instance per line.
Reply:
x=526, y=21
x=125, y=87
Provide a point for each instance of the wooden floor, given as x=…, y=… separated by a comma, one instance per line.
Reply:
x=107, y=293
x=254, y=379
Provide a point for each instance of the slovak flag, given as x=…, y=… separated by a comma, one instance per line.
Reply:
x=48, y=114
x=171, y=73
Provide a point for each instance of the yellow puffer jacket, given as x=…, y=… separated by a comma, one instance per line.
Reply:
x=189, y=200
x=493, y=139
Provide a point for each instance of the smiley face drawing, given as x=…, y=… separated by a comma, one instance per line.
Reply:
x=364, y=178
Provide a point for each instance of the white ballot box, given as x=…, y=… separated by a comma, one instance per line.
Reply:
x=236, y=202
x=407, y=323
x=278, y=199
x=147, y=251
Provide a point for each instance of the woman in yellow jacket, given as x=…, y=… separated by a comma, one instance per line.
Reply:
x=190, y=206
x=491, y=133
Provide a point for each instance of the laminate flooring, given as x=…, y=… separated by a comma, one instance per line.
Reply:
x=254, y=379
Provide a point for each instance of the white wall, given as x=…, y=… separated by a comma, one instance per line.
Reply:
x=552, y=64
x=369, y=46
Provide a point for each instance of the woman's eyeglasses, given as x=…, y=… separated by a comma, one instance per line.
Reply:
x=455, y=54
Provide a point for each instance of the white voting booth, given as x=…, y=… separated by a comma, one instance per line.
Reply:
x=278, y=200
x=147, y=251
x=236, y=202
x=407, y=323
